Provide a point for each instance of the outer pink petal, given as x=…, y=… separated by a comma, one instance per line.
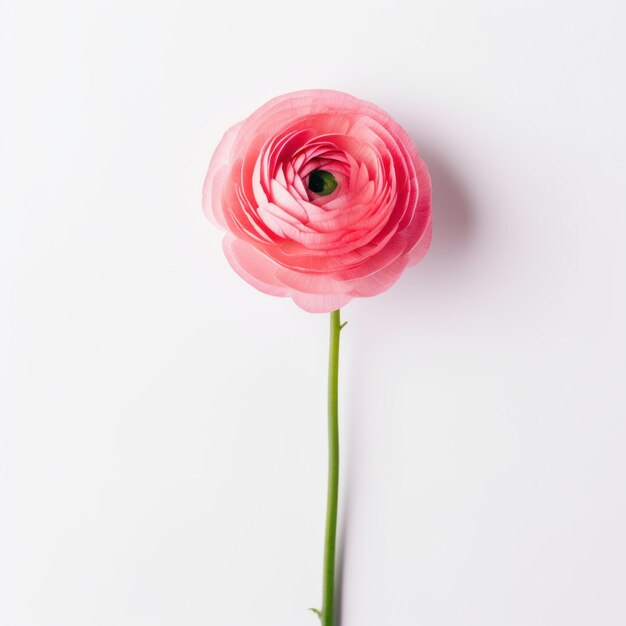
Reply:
x=257, y=267
x=262, y=273
x=219, y=170
x=320, y=303
x=263, y=277
x=379, y=281
x=418, y=252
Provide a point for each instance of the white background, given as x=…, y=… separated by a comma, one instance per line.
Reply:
x=163, y=424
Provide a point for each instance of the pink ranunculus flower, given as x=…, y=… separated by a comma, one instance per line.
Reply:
x=323, y=196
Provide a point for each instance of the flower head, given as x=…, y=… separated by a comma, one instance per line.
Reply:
x=323, y=196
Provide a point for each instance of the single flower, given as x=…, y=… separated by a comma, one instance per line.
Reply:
x=324, y=198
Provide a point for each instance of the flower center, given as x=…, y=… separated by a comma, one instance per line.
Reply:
x=322, y=182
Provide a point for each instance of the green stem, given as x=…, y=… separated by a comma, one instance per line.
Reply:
x=327, y=613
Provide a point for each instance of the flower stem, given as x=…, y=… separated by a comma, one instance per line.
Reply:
x=328, y=594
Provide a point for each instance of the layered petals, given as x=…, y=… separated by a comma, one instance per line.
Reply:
x=323, y=196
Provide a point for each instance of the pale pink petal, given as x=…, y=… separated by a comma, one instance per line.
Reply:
x=320, y=303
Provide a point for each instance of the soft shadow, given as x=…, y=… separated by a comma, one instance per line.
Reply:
x=340, y=568
x=349, y=482
x=354, y=454
x=454, y=231
x=454, y=219
x=448, y=264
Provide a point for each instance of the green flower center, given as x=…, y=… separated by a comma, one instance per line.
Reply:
x=322, y=182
